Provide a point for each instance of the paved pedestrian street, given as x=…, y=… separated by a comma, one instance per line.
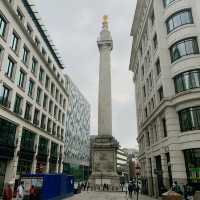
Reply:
x=106, y=196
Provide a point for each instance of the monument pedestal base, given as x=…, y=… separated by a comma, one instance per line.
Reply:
x=104, y=164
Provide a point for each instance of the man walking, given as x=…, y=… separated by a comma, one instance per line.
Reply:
x=20, y=191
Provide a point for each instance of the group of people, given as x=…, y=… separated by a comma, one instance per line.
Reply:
x=132, y=187
x=187, y=191
x=8, y=192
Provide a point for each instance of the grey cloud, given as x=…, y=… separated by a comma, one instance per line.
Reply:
x=74, y=27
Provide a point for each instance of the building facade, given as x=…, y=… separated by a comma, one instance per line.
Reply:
x=165, y=60
x=77, y=134
x=122, y=165
x=33, y=98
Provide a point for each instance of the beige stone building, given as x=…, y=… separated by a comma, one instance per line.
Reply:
x=165, y=60
x=33, y=99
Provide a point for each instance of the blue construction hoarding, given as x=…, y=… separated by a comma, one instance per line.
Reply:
x=49, y=186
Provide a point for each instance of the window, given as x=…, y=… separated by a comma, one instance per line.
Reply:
x=54, y=129
x=189, y=119
x=52, y=89
x=41, y=75
x=158, y=70
x=34, y=65
x=144, y=91
x=167, y=2
x=43, y=122
x=142, y=69
x=59, y=115
x=178, y=19
x=58, y=131
x=27, y=114
x=57, y=94
x=63, y=118
x=29, y=29
x=50, y=106
x=49, y=125
x=9, y=68
x=3, y=25
x=64, y=103
x=183, y=48
x=55, y=111
x=47, y=82
x=148, y=139
x=61, y=99
x=145, y=112
x=155, y=41
x=160, y=93
x=19, y=14
x=164, y=127
x=31, y=88
x=18, y=105
x=39, y=94
x=25, y=55
x=4, y=96
x=45, y=101
x=22, y=78
x=14, y=42
x=152, y=18
x=43, y=52
x=36, y=117
x=187, y=80
x=37, y=42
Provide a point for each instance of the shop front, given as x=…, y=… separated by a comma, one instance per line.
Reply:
x=192, y=162
x=53, y=158
x=7, y=147
x=26, y=153
x=42, y=155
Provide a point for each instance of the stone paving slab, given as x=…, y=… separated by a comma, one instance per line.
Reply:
x=106, y=196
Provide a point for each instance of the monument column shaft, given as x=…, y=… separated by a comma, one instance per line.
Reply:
x=105, y=105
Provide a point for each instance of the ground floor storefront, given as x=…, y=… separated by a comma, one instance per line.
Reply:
x=25, y=151
x=159, y=172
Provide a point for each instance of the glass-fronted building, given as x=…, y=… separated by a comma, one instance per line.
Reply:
x=77, y=134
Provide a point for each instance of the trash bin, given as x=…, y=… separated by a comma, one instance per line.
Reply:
x=171, y=195
x=197, y=195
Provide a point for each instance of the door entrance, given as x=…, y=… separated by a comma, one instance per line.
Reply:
x=3, y=165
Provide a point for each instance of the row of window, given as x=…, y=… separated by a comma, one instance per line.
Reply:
x=10, y=69
x=45, y=124
x=10, y=66
x=16, y=38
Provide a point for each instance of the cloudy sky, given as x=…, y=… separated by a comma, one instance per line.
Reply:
x=74, y=26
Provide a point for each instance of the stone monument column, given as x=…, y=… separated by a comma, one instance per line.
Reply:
x=105, y=45
x=104, y=148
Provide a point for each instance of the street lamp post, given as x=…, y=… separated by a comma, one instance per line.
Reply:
x=137, y=176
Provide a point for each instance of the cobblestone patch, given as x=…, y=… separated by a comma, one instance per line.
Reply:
x=106, y=196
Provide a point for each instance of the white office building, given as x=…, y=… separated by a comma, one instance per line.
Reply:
x=165, y=60
x=33, y=99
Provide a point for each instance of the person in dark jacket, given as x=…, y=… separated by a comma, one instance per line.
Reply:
x=7, y=193
x=130, y=189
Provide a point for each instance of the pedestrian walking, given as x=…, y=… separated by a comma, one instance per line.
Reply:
x=88, y=186
x=20, y=191
x=7, y=193
x=130, y=189
x=32, y=193
x=176, y=188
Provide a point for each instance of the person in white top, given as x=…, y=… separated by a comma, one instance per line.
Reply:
x=20, y=191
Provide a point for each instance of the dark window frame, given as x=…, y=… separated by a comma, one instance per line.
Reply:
x=176, y=14
x=184, y=41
